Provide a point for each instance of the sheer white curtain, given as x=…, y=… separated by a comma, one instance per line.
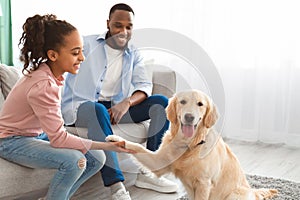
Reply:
x=255, y=45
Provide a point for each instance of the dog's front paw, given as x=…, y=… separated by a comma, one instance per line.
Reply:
x=128, y=145
x=113, y=138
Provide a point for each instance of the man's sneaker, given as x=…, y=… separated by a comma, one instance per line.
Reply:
x=121, y=195
x=148, y=180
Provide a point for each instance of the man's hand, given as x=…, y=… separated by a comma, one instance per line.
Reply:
x=118, y=111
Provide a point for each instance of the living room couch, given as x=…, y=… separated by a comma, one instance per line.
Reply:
x=16, y=180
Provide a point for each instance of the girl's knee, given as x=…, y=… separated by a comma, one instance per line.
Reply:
x=82, y=163
x=76, y=160
x=98, y=157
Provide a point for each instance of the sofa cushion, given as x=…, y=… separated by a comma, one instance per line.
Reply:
x=17, y=179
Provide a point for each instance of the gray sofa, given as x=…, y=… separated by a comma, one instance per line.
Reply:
x=16, y=180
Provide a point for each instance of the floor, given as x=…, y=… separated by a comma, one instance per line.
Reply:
x=271, y=160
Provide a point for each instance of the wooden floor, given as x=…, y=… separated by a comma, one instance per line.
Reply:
x=270, y=160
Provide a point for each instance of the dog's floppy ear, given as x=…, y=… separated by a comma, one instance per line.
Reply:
x=211, y=115
x=171, y=110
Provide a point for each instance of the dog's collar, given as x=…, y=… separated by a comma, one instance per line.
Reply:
x=191, y=148
x=201, y=142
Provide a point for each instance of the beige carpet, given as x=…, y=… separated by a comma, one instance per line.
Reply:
x=288, y=190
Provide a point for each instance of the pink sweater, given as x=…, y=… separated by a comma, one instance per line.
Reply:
x=33, y=106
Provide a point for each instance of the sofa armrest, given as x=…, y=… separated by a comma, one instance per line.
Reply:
x=8, y=77
x=163, y=79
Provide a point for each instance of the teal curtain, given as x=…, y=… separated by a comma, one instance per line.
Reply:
x=6, y=51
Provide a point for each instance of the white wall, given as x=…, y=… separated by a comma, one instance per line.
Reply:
x=90, y=16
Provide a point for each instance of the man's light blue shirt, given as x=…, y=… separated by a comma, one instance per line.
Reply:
x=86, y=85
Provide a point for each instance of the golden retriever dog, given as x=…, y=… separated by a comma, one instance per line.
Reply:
x=196, y=154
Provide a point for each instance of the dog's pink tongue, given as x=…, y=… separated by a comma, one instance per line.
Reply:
x=188, y=130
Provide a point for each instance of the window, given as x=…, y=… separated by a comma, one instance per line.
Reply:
x=6, y=52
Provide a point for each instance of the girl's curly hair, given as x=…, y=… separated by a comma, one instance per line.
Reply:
x=40, y=34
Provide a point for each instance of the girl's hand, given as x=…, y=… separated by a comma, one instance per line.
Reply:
x=117, y=146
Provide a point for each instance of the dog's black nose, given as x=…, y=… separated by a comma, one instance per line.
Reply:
x=189, y=117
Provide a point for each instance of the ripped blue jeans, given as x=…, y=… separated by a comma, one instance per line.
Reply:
x=35, y=152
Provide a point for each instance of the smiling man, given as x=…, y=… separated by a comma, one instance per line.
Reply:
x=101, y=95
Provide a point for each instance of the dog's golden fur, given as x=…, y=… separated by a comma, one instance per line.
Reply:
x=195, y=153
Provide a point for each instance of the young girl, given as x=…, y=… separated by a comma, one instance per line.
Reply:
x=49, y=47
